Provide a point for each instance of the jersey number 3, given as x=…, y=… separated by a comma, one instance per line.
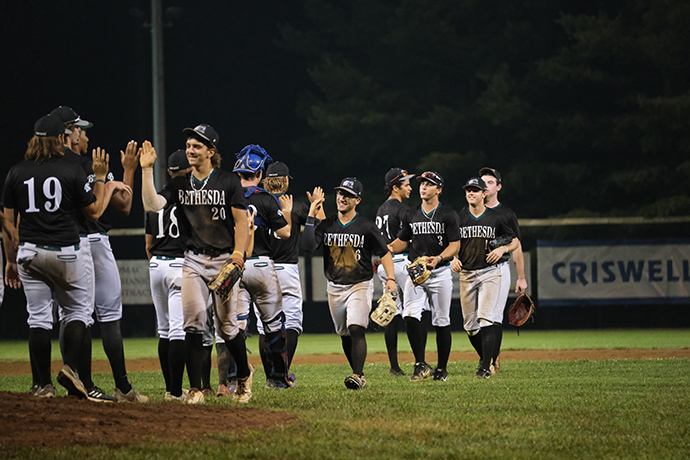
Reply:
x=52, y=191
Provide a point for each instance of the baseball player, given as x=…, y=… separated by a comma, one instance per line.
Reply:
x=492, y=179
x=103, y=270
x=480, y=276
x=214, y=226
x=284, y=252
x=259, y=285
x=389, y=219
x=349, y=241
x=42, y=194
x=165, y=249
x=430, y=230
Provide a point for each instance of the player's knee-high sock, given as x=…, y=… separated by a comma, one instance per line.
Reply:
x=488, y=334
x=443, y=344
x=425, y=320
x=359, y=348
x=223, y=362
x=238, y=351
x=390, y=334
x=265, y=360
x=276, y=347
x=194, y=357
x=85, y=360
x=112, y=345
x=39, y=354
x=74, y=338
x=206, y=365
x=176, y=366
x=164, y=359
x=61, y=338
x=498, y=329
x=476, y=341
x=346, y=342
x=292, y=338
x=416, y=336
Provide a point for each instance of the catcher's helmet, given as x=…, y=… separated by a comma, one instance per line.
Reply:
x=252, y=159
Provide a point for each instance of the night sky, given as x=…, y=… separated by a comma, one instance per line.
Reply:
x=222, y=67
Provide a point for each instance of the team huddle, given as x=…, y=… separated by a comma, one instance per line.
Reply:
x=209, y=223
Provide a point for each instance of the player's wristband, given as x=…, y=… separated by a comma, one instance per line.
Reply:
x=440, y=259
x=507, y=250
x=238, y=252
x=390, y=279
x=99, y=180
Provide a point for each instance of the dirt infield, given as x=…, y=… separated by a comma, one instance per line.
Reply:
x=72, y=421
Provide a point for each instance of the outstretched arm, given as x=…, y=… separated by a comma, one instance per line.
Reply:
x=153, y=202
x=122, y=201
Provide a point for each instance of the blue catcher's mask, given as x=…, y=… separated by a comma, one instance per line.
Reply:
x=252, y=159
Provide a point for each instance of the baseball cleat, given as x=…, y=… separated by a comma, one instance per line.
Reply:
x=355, y=382
x=243, y=393
x=421, y=371
x=223, y=390
x=95, y=394
x=207, y=392
x=441, y=374
x=70, y=380
x=195, y=397
x=133, y=396
x=47, y=391
x=483, y=374
x=396, y=373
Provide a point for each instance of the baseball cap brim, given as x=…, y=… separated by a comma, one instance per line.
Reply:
x=348, y=190
x=190, y=132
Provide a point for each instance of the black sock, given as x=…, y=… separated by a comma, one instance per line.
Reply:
x=443, y=344
x=85, y=360
x=416, y=336
x=194, y=356
x=276, y=347
x=39, y=354
x=359, y=348
x=346, y=342
x=265, y=360
x=206, y=365
x=476, y=341
x=238, y=351
x=223, y=362
x=488, y=342
x=164, y=359
x=390, y=335
x=176, y=361
x=292, y=338
x=423, y=324
x=74, y=338
x=498, y=330
x=112, y=344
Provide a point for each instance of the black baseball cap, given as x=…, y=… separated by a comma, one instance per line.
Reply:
x=49, y=126
x=486, y=171
x=351, y=185
x=70, y=117
x=278, y=169
x=397, y=175
x=178, y=161
x=475, y=182
x=204, y=133
x=431, y=176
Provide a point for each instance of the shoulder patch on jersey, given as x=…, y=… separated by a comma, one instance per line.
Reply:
x=280, y=212
x=87, y=187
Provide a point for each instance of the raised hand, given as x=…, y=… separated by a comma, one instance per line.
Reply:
x=130, y=157
x=100, y=162
x=148, y=155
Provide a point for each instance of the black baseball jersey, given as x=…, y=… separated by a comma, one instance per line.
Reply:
x=511, y=220
x=268, y=217
x=206, y=221
x=286, y=251
x=389, y=218
x=165, y=229
x=429, y=234
x=347, y=249
x=475, y=233
x=47, y=195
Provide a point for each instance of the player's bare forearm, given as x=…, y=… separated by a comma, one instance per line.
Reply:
x=241, y=230
x=149, y=245
x=387, y=262
x=152, y=201
x=397, y=246
x=519, y=260
x=9, y=234
x=450, y=250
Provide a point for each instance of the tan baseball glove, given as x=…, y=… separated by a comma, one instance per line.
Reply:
x=226, y=278
x=418, y=271
x=384, y=313
x=521, y=310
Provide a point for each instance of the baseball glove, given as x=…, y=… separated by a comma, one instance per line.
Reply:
x=521, y=310
x=225, y=280
x=499, y=241
x=418, y=271
x=384, y=313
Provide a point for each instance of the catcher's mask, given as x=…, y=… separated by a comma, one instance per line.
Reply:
x=251, y=159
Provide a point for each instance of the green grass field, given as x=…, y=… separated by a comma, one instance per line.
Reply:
x=548, y=409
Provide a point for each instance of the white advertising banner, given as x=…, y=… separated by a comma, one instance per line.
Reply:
x=134, y=278
x=613, y=272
